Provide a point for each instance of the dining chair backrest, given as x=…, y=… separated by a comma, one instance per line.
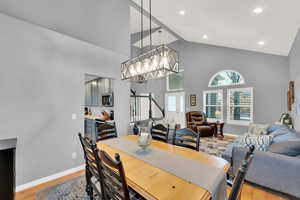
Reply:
x=160, y=132
x=240, y=176
x=186, y=137
x=92, y=162
x=114, y=180
x=106, y=130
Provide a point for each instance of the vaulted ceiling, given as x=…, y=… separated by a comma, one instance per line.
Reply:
x=230, y=23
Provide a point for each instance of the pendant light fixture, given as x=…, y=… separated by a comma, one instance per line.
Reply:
x=156, y=63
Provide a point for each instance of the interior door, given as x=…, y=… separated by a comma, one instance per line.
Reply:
x=175, y=109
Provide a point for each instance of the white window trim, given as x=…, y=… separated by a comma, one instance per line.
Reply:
x=222, y=106
x=238, y=122
x=233, y=84
x=174, y=90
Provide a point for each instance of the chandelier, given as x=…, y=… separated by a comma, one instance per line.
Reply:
x=156, y=63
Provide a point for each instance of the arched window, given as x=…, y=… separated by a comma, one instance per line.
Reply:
x=226, y=78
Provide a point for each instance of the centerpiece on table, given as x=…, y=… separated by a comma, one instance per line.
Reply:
x=144, y=140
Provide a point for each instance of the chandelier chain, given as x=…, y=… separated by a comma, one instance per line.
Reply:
x=150, y=9
x=142, y=25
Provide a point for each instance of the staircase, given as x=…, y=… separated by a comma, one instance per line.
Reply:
x=142, y=109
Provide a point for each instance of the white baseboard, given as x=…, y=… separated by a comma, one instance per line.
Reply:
x=48, y=178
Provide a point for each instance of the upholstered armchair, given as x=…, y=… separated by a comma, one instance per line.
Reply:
x=196, y=120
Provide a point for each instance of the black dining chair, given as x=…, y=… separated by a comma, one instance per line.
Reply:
x=114, y=180
x=186, y=137
x=92, y=168
x=239, y=179
x=160, y=132
x=106, y=130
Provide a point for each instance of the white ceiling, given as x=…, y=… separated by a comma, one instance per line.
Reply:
x=230, y=23
x=158, y=37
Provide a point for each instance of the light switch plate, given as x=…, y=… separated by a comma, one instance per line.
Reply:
x=74, y=155
x=74, y=116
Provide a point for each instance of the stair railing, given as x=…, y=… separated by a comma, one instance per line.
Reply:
x=135, y=108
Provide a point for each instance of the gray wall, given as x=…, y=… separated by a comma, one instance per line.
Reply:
x=42, y=84
x=104, y=23
x=294, y=60
x=267, y=74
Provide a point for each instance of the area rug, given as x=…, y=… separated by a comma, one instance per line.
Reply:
x=215, y=146
x=73, y=189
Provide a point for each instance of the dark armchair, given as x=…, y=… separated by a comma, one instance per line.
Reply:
x=196, y=120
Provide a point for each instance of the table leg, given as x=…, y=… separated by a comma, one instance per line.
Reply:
x=216, y=130
x=221, y=130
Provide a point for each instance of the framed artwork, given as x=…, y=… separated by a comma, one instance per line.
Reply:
x=289, y=100
x=292, y=91
x=193, y=100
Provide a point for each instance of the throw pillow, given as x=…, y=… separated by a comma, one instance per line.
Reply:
x=276, y=127
x=260, y=142
x=258, y=129
x=289, y=148
x=281, y=131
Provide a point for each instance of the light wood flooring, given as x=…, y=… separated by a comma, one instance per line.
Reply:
x=249, y=192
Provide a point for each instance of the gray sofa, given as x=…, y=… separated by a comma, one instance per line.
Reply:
x=275, y=171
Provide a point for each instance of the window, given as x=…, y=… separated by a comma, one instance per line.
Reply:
x=240, y=106
x=213, y=105
x=172, y=103
x=226, y=78
x=175, y=81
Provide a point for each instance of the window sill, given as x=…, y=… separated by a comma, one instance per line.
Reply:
x=175, y=90
x=239, y=123
x=214, y=120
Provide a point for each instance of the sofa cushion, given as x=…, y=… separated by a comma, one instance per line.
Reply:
x=258, y=129
x=289, y=148
x=260, y=142
x=297, y=134
x=283, y=135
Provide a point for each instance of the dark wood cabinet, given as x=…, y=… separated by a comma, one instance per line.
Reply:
x=7, y=170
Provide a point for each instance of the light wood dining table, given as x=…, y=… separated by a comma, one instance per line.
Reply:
x=156, y=184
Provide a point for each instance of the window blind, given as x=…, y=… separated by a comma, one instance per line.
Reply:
x=213, y=104
x=240, y=106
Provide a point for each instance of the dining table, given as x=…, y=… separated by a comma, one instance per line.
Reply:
x=155, y=183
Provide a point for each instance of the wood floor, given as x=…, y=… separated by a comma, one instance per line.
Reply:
x=249, y=192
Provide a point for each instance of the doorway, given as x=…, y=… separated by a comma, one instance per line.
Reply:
x=175, y=108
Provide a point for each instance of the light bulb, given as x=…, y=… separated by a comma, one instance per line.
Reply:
x=164, y=62
x=154, y=62
x=138, y=67
x=146, y=66
x=132, y=70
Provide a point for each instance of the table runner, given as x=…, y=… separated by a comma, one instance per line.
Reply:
x=211, y=178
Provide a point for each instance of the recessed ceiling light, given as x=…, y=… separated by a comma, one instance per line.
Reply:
x=182, y=12
x=261, y=43
x=204, y=37
x=258, y=10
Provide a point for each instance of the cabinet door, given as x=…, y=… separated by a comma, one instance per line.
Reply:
x=95, y=93
x=107, y=85
x=88, y=94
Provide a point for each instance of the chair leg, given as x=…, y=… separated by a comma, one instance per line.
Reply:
x=88, y=187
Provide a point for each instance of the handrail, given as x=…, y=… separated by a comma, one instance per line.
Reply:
x=161, y=109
